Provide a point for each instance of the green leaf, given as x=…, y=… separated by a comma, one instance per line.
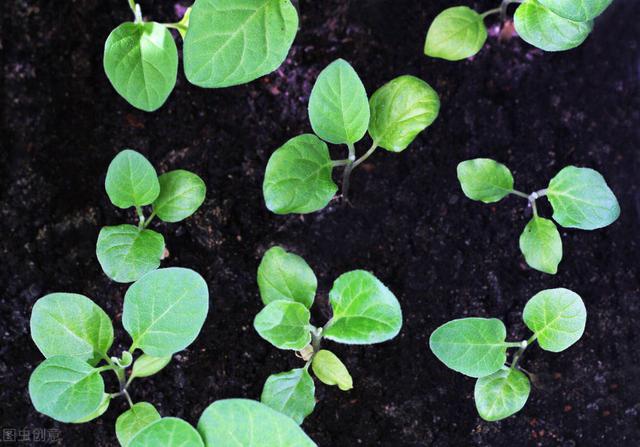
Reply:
x=485, y=179
x=167, y=432
x=141, y=61
x=581, y=198
x=286, y=276
x=66, y=388
x=400, y=110
x=284, y=324
x=557, y=317
x=249, y=424
x=146, y=365
x=131, y=180
x=72, y=325
x=543, y=29
x=364, y=310
x=132, y=421
x=181, y=194
x=577, y=10
x=541, y=245
x=475, y=347
x=298, y=177
x=233, y=42
x=331, y=371
x=291, y=393
x=338, y=106
x=501, y=394
x=102, y=408
x=126, y=252
x=455, y=34
x=165, y=310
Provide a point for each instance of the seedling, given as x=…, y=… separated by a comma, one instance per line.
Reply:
x=298, y=178
x=126, y=252
x=364, y=312
x=580, y=198
x=477, y=347
x=226, y=43
x=551, y=25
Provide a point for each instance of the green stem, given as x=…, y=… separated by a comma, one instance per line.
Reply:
x=126, y=394
x=148, y=221
x=140, y=217
x=347, y=170
x=519, y=194
x=336, y=163
x=366, y=155
x=514, y=344
x=316, y=339
x=523, y=347
x=491, y=11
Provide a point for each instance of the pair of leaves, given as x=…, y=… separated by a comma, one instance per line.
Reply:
x=298, y=178
x=229, y=42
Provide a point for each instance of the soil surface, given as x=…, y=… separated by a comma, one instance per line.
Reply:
x=442, y=254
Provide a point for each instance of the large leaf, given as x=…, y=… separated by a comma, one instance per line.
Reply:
x=165, y=310
x=284, y=324
x=181, y=194
x=577, y=10
x=364, y=310
x=400, y=110
x=338, y=106
x=72, y=325
x=501, y=394
x=582, y=199
x=131, y=180
x=541, y=245
x=455, y=34
x=557, y=317
x=543, y=29
x=291, y=393
x=141, y=61
x=132, y=421
x=298, y=177
x=126, y=252
x=66, y=388
x=331, y=371
x=485, y=179
x=167, y=432
x=146, y=365
x=286, y=276
x=249, y=424
x=233, y=42
x=472, y=346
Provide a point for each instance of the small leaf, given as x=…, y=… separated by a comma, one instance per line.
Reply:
x=66, y=388
x=71, y=325
x=141, y=61
x=132, y=421
x=298, y=177
x=577, y=10
x=472, y=346
x=233, y=42
x=364, y=310
x=338, y=105
x=485, y=179
x=167, y=432
x=146, y=365
x=557, y=317
x=581, y=198
x=501, y=394
x=286, y=276
x=126, y=252
x=400, y=110
x=131, y=180
x=541, y=245
x=543, y=29
x=331, y=371
x=181, y=194
x=284, y=324
x=165, y=310
x=291, y=393
x=249, y=423
x=102, y=408
x=455, y=34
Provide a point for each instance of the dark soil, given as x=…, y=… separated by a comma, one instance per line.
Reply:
x=443, y=255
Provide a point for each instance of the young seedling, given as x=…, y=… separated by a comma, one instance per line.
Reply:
x=551, y=25
x=226, y=43
x=580, y=198
x=298, y=178
x=477, y=347
x=126, y=252
x=364, y=312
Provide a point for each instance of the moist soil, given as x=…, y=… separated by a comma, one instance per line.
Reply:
x=443, y=255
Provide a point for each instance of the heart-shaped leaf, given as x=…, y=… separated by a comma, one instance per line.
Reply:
x=541, y=245
x=455, y=34
x=181, y=194
x=501, y=394
x=167, y=432
x=331, y=371
x=577, y=10
x=284, y=324
x=132, y=421
x=291, y=393
x=286, y=276
x=485, y=179
x=131, y=180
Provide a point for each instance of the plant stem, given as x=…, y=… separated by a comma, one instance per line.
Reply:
x=523, y=347
x=519, y=194
x=514, y=344
x=336, y=163
x=491, y=11
x=504, y=6
x=316, y=339
x=347, y=170
x=137, y=12
x=148, y=221
x=140, y=217
x=366, y=155
x=126, y=394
